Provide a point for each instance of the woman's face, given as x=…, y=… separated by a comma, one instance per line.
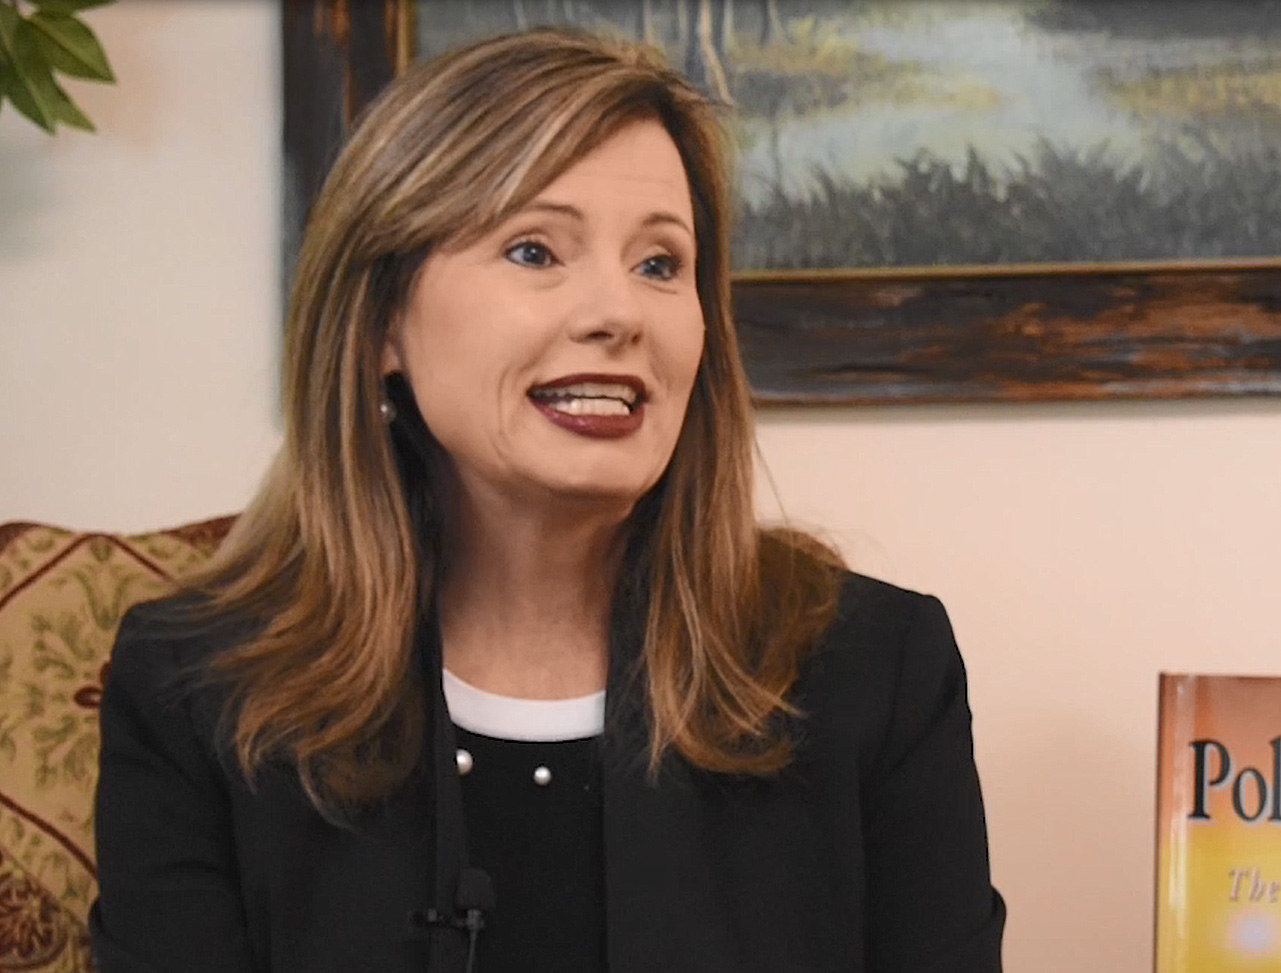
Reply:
x=554, y=358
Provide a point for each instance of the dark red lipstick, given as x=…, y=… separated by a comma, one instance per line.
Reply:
x=544, y=398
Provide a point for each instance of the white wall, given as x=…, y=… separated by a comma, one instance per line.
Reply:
x=1080, y=548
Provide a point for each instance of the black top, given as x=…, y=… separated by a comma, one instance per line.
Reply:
x=541, y=845
x=868, y=854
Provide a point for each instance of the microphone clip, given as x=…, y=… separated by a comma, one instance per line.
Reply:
x=424, y=920
x=475, y=895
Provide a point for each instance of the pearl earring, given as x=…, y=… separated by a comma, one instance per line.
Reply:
x=387, y=410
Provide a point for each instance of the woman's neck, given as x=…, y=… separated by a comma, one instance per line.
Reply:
x=525, y=599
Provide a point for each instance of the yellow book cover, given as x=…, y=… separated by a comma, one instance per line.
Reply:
x=1218, y=853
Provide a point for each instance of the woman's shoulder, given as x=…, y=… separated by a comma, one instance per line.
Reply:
x=163, y=646
x=873, y=608
x=878, y=630
x=885, y=669
x=185, y=624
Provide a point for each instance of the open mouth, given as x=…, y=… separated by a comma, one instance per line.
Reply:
x=589, y=398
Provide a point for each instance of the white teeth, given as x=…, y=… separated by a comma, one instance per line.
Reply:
x=590, y=407
x=591, y=390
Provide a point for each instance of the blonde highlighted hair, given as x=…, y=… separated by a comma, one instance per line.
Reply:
x=339, y=553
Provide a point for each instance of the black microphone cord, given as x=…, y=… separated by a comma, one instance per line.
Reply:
x=475, y=896
x=471, y=892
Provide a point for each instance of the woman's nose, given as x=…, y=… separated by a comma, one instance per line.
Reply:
x=610, y=310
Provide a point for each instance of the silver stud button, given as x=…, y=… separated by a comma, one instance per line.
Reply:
x=542, y=776
x=464, y=762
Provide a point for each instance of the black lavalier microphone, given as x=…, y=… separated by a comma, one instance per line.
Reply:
x=475, y=897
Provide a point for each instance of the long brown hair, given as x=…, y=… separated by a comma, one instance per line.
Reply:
x=339, y=552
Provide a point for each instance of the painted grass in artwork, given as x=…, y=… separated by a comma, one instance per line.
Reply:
x=1195, y=197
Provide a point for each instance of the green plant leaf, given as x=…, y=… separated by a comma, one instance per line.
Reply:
x=68, y=6
x=25, y=103
x=30, y=85
x=69, y=112
x=9, y=20
x=70, y=47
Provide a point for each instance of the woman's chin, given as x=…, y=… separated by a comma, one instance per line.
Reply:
x=598, y=494
x=607, y=490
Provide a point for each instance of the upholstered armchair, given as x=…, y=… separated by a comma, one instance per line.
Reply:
x=61, y=598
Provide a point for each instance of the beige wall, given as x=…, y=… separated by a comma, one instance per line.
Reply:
x=138, y=275
x=1079, y=548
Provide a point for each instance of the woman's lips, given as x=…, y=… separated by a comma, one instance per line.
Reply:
x=596, y=427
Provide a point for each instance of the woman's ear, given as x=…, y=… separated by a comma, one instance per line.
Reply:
x=391, y=349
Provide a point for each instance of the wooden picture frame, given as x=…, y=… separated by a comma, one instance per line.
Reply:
x=955, y=334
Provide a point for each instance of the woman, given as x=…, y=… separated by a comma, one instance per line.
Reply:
x=498, y=671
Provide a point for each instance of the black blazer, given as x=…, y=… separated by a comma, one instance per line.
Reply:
x=868, y=853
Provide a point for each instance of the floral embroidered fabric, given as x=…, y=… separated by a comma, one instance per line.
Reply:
x=62, y=595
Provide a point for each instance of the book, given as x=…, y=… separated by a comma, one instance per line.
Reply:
x=1218, y=854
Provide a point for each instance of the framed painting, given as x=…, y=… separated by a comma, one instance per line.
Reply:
x=936, y=200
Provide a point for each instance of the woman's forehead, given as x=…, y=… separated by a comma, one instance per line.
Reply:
x=638, y=163
x=638, y=166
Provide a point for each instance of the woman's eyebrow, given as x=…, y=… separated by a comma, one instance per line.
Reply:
x=659, y=217
x=663, y=217
x=556, y=209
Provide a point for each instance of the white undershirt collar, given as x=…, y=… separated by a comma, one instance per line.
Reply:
x=531, y=720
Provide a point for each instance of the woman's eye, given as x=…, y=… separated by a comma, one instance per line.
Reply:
x=662, y=266
x=528, y=253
